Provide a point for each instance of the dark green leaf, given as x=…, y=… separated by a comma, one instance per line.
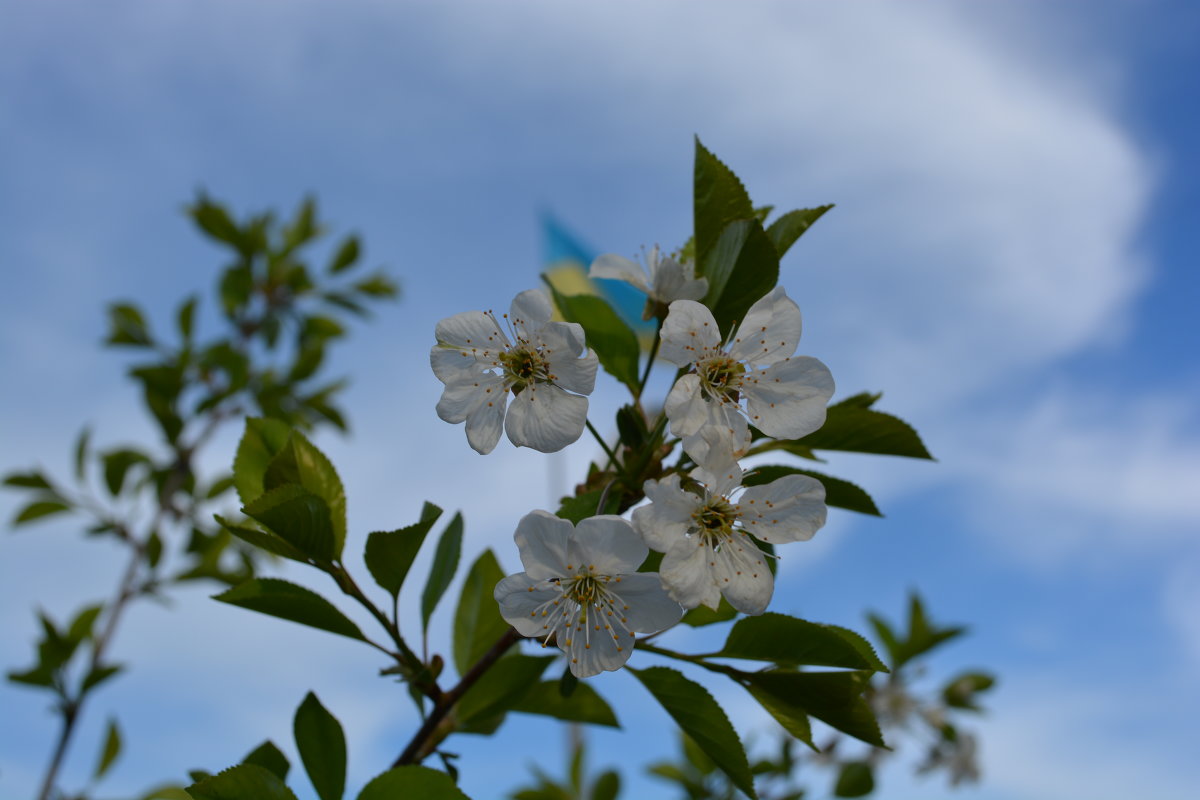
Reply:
x=791, y=226
x=41, y=675
x=719, y=198
x=389, y=554
x=701, y=718
x=856, y=779
x=851, y=427
x=703, y=615
x=616, y=345
x=81, y=627
x=261, y=441
x=219, y=487
x=789, y=641
x=838, y=493
x=291, y=602
x=110, y=750
x=81, y=452
x=742, y=267
x=27, y=480
x=412, y=783
x=346, y=255
x=502, y=686
x=477, y=622
x=580, y=507
x=99, y=675
x=607, y=786
x=237, y=284
x=378, y=285
x=127, y=326
x=445, y=562
x=185, y=317
x=243, y=782
x=300, y=462
x=298, y=517
x=117, y=464
x=960, y=690
x=583, y=704
x=39, y=509
x=835, y=698
x=262, y=539
x=322, y=747
x=268, y=756
x=784, y=709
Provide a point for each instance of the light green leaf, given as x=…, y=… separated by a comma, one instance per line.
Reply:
x=110, y=750
x=789, y=641
x=322, y=746
x=477, y=622
x=268, y=756
x=742, y=267
x=838, y=493
x=718, y=199
x=445, y=562
x=300, y=518
x=243, y=782
x=791, y=226
x=700, y=616
x=263, y=438
x=582, y=705
x=415, y=783
x=300, y=462
x=701, y=718
x=616, y=345
x=389, y=554
x=291, y=602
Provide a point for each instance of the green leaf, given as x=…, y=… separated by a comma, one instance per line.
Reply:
x=81, y=452
x=502, y=686
x=346, y=255
x=268, y=756
x=243, y=782
x=263, y=438
x=856, y=779
x=960, y=691
x=127, y=326
x=582, y=705
x=607, y=786
x=616, y=345
x=700, y=616
x=291, y=602
x=445, y=562
x=300, y=518
x=378, y=285
x=417, y=783
x=322, y=747
x=262, y=539
x=784, y=709
x=110, y=750
x=838, y=493
x=185, y=317
x=27, y=480
x=99, y=675
x=742, y=267
x=39, y=509
x=791, y=226
x=789, y=641
x=579, y=507
x=835, y=698
x=117, y=464
x=81, y=627
x=300, y=462
x=701, y=718
x=389, y=554
x=719, y=198
x=851, y=427
x=477, y=622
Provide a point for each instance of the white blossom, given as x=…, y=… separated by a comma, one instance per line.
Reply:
x=581, y=590
x=664, y=280
x=541, y=363
x=784, y=395
x=707, y=538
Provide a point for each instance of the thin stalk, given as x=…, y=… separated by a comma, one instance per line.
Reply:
x=649, y=360
x=612, y=457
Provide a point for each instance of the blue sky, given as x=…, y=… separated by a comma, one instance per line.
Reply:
x=1011, y=262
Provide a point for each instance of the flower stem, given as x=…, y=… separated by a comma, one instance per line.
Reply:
x=612, y=457
x=649, y=360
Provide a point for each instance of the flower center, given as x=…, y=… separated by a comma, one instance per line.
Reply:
x=721, y=377
x=714, y=521
x=523, y=366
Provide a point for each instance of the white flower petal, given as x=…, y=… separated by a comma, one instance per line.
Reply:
x=560, y=340
x=668, y=516
x=721, y=481
x=723, y=438
x=741, y=572
x=593, y=651
x=473, y=331
x=689, y=333
x=770, y=332
x=542, y=541
x=530, y=310
x=686, y=574
x=525, y=603
x=685, y=406
x=609, y=545
x=575, y=374
x=787, y=400
x=486, y=421
x=649, y=607
x=789, y=509
x=618, y=268
x=545, y=418
x=449, y=362
x=465, y=392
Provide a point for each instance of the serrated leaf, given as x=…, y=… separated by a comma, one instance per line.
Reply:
x=742, y=267
x=701, y=718
x=784, y=231
x=615, y=343
x=838, y=493
x=579, y=507
x=786, y=712
x=850, y=427
x=288, y=601
x=243, y=782
x=300, y=462
x=445, y=562
x=417, y=783
x=300, y=518
x=268, y=756
x=39, y=509
x=505, y=684
x=718, y=199
x=263, y=438
x=583, y=704
x=262, y=539
x=789, y=641
x=322, y=746
x=110, y=750
x=389, y=555
x=856, y=779
x=835, y=698
x=477, y=621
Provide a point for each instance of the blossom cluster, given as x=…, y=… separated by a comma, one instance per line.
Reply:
x=581, y=589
